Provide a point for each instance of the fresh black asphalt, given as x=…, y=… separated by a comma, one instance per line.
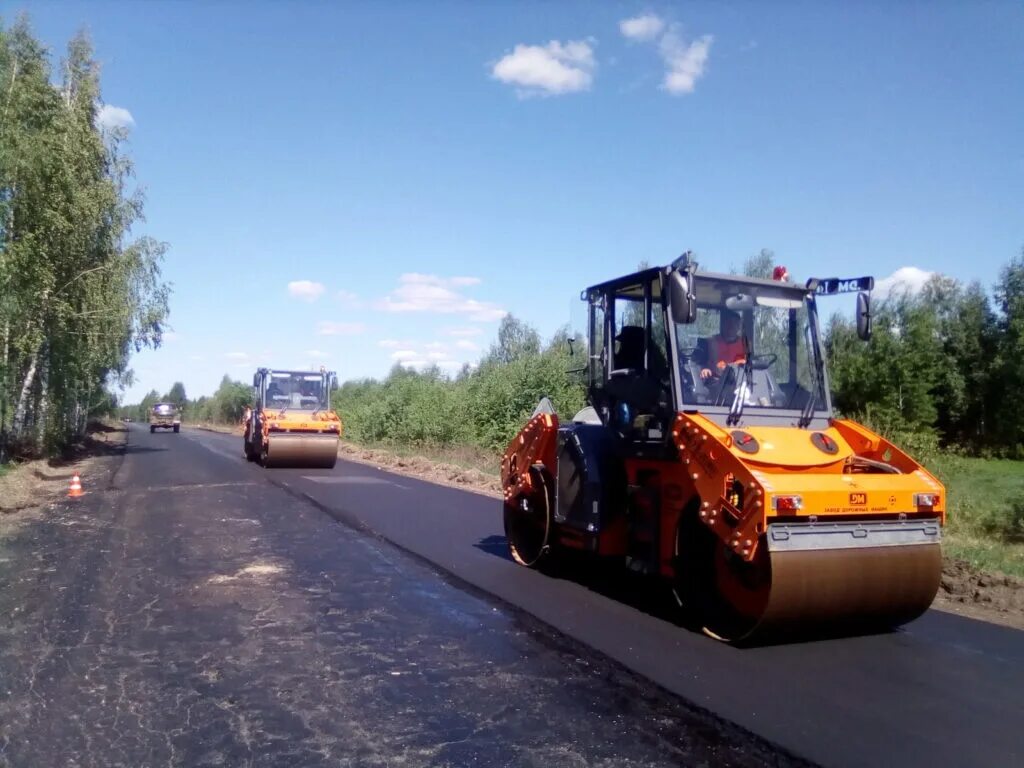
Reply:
x=196, y=610
x=943, y=691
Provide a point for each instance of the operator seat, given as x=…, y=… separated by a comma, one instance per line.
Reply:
x=695, y=391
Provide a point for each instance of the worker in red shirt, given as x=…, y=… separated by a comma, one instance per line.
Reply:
x=727, y=347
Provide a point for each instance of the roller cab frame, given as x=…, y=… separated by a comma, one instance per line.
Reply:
x=716, y=461
x=290, y=423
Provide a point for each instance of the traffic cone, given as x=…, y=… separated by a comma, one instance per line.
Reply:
x=76, y=487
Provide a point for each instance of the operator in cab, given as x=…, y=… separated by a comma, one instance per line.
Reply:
x=727, y=347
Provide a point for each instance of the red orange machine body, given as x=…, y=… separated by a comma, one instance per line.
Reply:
x=769, y=515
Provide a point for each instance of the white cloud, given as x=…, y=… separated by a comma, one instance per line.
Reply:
x=241, y=359
x=462, y=281
x=430, y=293
x=548, y=70
x=197, y=358
x=486, y=313
x=465, y=331
x=909, y=279
x=450, y=365
x=392, y=343
x=419, y=355
x=306, y=290
x=114, y=117
x=170, y=336
x=316, y=353
x=642, y=28
x=327, y=328
x=684, y=61
x=349, y=298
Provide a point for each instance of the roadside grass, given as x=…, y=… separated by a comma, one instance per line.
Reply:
x=986, y=554
x=28, y=485
x=985, y=523
x=462, y=456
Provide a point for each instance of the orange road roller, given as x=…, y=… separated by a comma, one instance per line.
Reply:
x=290, y=423
x=710, y=455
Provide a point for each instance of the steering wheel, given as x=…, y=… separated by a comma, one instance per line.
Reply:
x=763, y=362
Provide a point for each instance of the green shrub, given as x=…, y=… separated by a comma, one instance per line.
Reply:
x=1006, y=524
x=485, y=407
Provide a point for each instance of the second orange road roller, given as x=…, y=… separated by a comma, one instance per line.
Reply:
x=711, y=456
x=290, y=423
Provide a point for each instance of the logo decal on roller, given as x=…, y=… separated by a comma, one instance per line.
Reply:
x=858, y=499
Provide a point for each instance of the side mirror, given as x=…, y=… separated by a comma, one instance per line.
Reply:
x=863, y=317
x=256, y=380
x=681, y=299
x=334, y=382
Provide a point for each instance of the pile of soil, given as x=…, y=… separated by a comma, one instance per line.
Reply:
x=972, y=592
x=426, y=469
x=225, y=429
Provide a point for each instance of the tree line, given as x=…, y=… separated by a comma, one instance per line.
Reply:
x=482, y=406
x=944, y=362
x=78, y=293
x=224, y=406
x=944, y=367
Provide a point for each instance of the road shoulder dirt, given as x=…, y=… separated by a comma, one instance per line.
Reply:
x=976, y=594
x=28, y=488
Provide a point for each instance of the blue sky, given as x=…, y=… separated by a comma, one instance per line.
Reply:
x=361, y=183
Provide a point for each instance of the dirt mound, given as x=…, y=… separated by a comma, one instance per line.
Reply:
x=425, y=469
x=992, y=597
x=226, y=429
